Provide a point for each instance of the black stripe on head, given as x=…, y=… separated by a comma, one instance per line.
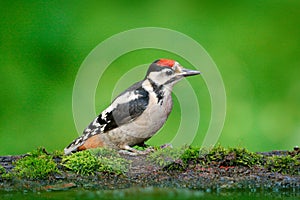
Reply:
x=155, y=68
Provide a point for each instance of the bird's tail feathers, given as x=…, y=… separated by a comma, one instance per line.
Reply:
x=84, y=142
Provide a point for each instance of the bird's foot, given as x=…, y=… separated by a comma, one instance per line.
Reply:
x=126, y=152
x=168, y=145
x=149, y=150
x=134, y=152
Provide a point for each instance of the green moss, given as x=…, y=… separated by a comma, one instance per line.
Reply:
x=165, y=156
x=2, y=170
x=36, y=165
x=215, y=155
x=7, y=176
x=241, y=156
x=284, y=164
x=40, y=164
x=218, y=155
x=104, y=152
x=191, y=155
x=96, y=160
x=233, y=157
x=58, y=153
x=4, y=174
x=237, y=156
x=81, y=162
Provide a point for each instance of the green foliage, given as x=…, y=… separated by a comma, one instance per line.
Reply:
x=110, y=161
x=233, y=157
x=174, y=158
x=191, y=154
x=96, y=160
x=241, y=156
x=58, y=153
x=166, y=156
x=40, y=164
x=218, y=155
x=104, y=152
x=284, y=164
x=4, y=174
x=82, y=162
x=36, y=165
x=222, y=156
x=2, y=170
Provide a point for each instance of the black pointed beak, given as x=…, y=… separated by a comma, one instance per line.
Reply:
x=189, y=72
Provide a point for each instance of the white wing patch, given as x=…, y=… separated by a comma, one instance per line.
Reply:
x=126, y=97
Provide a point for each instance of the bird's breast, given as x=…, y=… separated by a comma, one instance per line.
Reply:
x=149, y=122
x=154, y=117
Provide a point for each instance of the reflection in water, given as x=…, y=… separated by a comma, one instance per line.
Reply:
x=150, y=193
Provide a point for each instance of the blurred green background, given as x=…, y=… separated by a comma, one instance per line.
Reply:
x=255, y=44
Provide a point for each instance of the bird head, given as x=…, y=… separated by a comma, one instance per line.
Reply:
x=168, y=72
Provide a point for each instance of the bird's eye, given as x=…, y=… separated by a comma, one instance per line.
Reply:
x=169, y=72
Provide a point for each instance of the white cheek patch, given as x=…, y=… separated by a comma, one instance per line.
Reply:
x=160, y=77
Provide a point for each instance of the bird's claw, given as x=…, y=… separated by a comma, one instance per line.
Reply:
x=134, y=152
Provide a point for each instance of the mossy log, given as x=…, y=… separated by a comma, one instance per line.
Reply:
x=218, y=168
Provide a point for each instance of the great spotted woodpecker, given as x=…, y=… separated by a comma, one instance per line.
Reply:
x=137, y=113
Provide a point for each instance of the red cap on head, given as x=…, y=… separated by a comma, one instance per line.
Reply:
x=165, y=62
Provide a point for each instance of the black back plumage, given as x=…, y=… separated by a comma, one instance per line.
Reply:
x=121, y=114
x=125, y=112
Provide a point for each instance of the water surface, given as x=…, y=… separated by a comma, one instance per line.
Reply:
x=149, y=194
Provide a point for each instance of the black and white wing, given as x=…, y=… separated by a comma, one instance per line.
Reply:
x=124, y=109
